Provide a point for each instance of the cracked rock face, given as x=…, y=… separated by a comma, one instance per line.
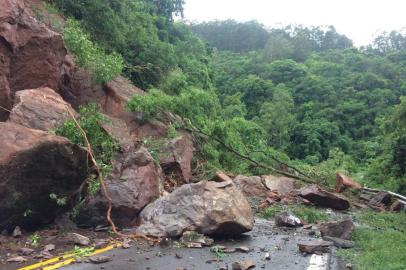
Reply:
x=31, y=55
x=134, y=183
x=34, y=165
x=209, y=208
x=40, y=108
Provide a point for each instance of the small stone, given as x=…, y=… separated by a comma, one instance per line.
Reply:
x=79, y=239
x=101, y=228
x=287, y=220
x=267, y=256
x=349, y=266
x=26, y=251
x=338, y=242
x=229, y=250
x=340, y=229
x=243, y=265
x=99, y=259
x=397, y=206
x=311, y=233
x=17, y=259
x=44, y=255
x=178, y=256
x=193, y=245
x=243, y=249
x=101, y=243
x=126, y=244
x=307, y=227
x=17, y=232
x=49, y=247
x=314, y=246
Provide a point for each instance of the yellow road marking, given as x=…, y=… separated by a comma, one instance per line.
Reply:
x=65, y=259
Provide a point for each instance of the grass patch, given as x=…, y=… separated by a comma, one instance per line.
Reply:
x=380, y=243
x=305, y=213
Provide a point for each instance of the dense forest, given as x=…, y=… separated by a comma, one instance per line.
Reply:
x=302, y=95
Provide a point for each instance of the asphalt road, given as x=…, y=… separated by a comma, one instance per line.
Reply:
x=281, y=244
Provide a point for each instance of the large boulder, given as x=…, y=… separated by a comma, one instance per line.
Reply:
x=175, y=157
x=36, y=169
x=343, y=182
x=209, y=208
x=251, y=186
x=134, y=183
x=40, y=108
x=282, y=184
x=322, y=198
x=31, y=54
x=263, y=186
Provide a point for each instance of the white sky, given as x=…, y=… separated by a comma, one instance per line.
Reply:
x=360, y=20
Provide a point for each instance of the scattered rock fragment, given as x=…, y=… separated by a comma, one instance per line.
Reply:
x=17, y=259
x=338, y=242
x=49, y=247
x=79, y=239
x=343, y=182
x=178, y=256
x=285, y=219
x=99, y=259
x=314, y=246
x=397, y=206
x=222, y=177
x=44, y=255
x=243, y=249
x=126, y=244
x=243, y=265
x=100, y=243
x=339, y=229
x=320, y=197
x=267, y=256
x=382, y=197
x=17, y=232
x=195, y=240
x=25, y=251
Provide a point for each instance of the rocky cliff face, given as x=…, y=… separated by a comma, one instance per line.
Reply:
x=39, y=82
x=31, y=55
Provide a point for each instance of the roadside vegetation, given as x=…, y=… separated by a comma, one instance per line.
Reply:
x=379, y=241
x=308, y=214
x=103, y=146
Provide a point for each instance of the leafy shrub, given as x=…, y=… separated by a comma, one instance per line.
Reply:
x=103, y=146
x=88, y=55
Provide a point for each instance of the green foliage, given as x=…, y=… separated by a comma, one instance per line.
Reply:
x=218, y=252
x=171, y=133
x=61, y=201
x=104, y=67
x=305, y=213
x=81, y=252
x=103, y=146
x=143, y=32
x=34, y=240
x=380, y=243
